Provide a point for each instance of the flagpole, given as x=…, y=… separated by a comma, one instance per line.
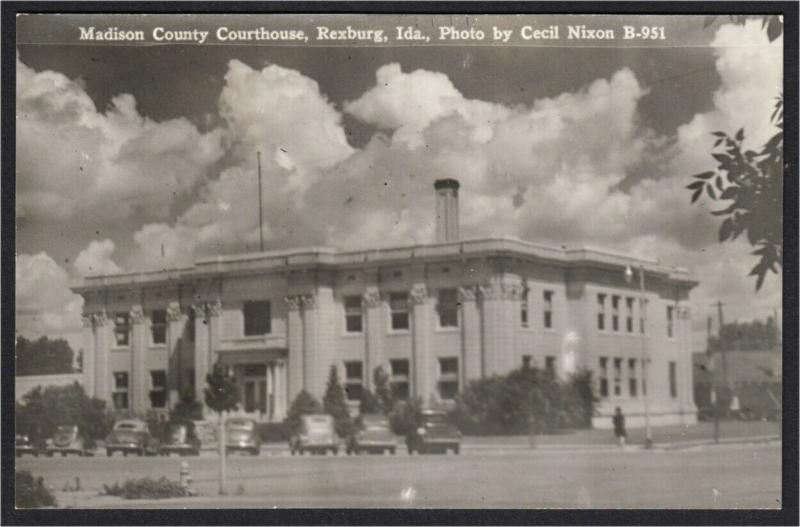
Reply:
x=260, y=213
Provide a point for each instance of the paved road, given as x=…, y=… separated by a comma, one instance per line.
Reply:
x=729, y=476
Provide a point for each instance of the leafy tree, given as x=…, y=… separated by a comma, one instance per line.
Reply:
x=369, y=403
x=42, y=356
x=30, y=492
x=44, y=409
x=303, y=404
x=222, y=396
x=405, y=416
x=745, y=336
x=383, y=390
x=335, y=404
x=751, y=183
x=187, y=408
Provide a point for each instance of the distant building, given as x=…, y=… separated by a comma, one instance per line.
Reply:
x=754, y=377
x=433, y=316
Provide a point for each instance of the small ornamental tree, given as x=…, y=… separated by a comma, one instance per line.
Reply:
x=187, y=408
x=222, y=396
x=369, y=403
x=303, y=404
x=335, y=404
x=383, y=391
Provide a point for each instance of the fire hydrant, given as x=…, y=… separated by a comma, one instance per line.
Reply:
x=186, y=476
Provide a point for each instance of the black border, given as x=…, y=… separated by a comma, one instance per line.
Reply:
x=788, y=515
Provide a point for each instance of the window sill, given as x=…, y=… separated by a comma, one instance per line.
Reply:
x=448, y=329
x=352, y=335
x=157, y=346
x=398, y=332
x=120, y=348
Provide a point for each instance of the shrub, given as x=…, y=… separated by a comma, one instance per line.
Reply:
x=188, y=407
x=405, y=416
x=335, y=404
x=273, y=432
x=506, y=404
x=303, y=404
x=30, y=492
x=44, y=409
x=146, y=488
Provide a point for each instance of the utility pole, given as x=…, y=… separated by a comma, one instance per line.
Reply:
x=260, y=213
x=710, y=369
x=722, y=349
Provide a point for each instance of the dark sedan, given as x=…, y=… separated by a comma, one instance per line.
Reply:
x=131, y=435
x=373, y=435
x=24, y=445
x=433, y=435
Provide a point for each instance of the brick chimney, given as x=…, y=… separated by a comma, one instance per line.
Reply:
x=446, y=210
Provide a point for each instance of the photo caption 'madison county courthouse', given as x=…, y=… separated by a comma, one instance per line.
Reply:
x=433, y=316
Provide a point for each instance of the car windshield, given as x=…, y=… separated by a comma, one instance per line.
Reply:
x=240, y=424
x=376, y=427
x=434, y=419
x=64, y=430
x=321, y=422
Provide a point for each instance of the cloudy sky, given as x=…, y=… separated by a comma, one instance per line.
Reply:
x=134, y=157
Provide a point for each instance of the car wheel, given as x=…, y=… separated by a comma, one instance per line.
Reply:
x=63, y=454
x=457, y=450
x=255, y=452
x=392, y=451
x=300, y=451
x=49, y=454
x=335, y=451
x=109, y=452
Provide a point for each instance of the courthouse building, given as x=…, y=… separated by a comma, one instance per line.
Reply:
x=433, y=316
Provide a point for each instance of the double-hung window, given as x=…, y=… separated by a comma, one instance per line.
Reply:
x=257, y=318
x=353, y=314
x=447, y=307
x=398, y=305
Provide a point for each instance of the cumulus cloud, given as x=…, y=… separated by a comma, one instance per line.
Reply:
x=74, y=161
x=96, y=259
x=44, y=303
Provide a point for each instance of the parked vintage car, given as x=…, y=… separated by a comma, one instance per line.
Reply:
x=242, y=436
x=316, y=435
x=24, y=445
x=433, y=434
x=131, y=435
x=373, y=435
x=70, y=439
x=181, y=438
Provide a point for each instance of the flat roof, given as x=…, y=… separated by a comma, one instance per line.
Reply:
x=319, y=256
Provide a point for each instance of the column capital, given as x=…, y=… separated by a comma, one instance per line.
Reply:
x=488, y=291
x=292, y=302
x=308, y=300
x=199, y=310
x=100, y=318
x=372, y=298
x=137, y=314
x=214, y=307
x=418, y=294
x=174, y=312
x=467, y=293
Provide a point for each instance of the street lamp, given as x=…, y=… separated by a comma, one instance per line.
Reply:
x=648, y=441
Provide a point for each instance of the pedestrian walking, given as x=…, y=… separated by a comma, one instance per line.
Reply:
x=619, y=427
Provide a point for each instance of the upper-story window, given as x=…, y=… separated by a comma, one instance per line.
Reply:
x=447, y=307
x=523, y=309
x=603, y=376
x=601, y=312
x=670, y=321
x=615, y=313
x=632, y=384
x=398, y=305
x=257, y=317
x=629, y=302
x=188, y=331
x=548, y=309
x=353, y=314
x=122, y=326
x=617, y=376
x=158, y=326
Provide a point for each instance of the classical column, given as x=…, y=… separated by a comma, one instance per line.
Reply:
x=201, y=343
x=175, y=325
x=491, y=317
x=294, y=341
x=375, y=329
x=138, y=389
x=472, y=366
x=313, y=379
x=214, y=330
x=88, y=358
x=422, y=382
x=102, y=347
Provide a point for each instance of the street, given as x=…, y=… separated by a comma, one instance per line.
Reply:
x=741, y=475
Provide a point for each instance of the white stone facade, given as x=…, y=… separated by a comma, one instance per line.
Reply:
x=433, y=316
